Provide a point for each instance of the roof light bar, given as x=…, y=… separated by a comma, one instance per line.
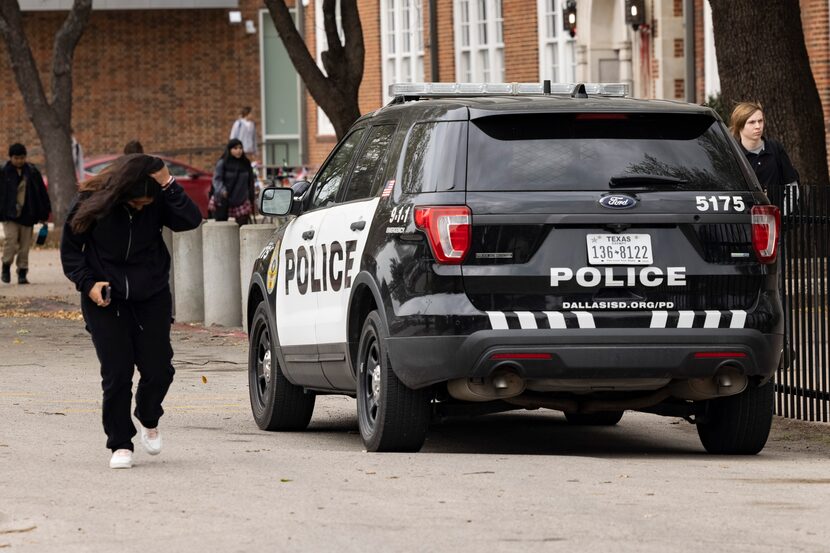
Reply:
x=503, y=89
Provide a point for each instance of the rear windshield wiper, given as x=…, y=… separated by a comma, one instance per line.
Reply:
x=643, y=180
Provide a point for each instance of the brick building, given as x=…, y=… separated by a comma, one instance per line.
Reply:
x=174, y=73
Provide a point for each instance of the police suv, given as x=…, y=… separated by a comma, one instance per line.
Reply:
x=504, y=246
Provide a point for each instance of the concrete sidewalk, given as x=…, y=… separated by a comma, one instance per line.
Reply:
x=46, y=277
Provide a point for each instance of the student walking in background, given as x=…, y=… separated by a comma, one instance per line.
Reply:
x=232, y=193
x=24, y=201
x=769, y=160
x=244, y=130
x=112, y=249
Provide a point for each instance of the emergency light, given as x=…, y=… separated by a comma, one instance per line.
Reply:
x=504, y=89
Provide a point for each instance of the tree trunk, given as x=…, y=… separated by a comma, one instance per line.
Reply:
x=52, y=120
x=336, y=93
x=762, y=57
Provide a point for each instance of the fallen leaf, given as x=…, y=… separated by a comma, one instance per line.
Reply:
x=285, y=480
x=17, y=341
x=18, y=530
x=204, y=379
x=22, y=331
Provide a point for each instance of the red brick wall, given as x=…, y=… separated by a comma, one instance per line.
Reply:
x=174, y=79
x=814, y=19
x=521, y=41
x=700, y=65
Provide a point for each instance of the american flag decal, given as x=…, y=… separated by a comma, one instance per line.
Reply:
x=387, y=190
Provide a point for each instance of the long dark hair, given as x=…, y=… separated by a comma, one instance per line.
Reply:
x=111, y=187
x=226, y=155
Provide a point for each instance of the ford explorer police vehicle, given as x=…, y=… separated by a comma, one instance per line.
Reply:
x=529, y=246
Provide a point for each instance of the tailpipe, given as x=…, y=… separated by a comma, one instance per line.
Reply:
x=728, y=381
x=504, y=382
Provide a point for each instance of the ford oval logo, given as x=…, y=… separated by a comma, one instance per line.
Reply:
x=617, y=201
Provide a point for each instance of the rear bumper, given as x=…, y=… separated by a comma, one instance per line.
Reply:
x=584, y=353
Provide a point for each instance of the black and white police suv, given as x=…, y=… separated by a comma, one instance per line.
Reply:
x=503, y=246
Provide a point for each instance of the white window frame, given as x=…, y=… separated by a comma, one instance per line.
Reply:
x=554, y=33
x=401, y=47
x=324, y=125
x=480, y=36
x=711, y=77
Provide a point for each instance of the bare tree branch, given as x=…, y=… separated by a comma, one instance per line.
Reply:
x=336, y=92
x=66, y=40
x=52, y=121
x=22, y=62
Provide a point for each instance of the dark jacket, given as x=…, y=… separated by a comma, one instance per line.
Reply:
x=36, y=205
x=236, y=178
x=773, y=168
x=125, y=247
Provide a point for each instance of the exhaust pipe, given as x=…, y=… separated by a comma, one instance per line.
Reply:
x=728, y=381
x=503, y=383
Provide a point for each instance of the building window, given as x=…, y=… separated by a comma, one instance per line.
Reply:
x=324, y=126
x=557, y=50
x=402, y=42
x=479, y=44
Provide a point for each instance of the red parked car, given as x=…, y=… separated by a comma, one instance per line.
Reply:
x=196, y=182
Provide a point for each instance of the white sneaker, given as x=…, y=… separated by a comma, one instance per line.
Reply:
x=151, y=440
x=121, y=459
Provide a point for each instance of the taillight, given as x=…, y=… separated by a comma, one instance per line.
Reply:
x=448, y=229
x=766, y=226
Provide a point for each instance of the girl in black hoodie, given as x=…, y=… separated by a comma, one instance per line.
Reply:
x=112, y=249
x=232, y=192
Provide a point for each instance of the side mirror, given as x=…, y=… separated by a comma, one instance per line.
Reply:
x=276, y=201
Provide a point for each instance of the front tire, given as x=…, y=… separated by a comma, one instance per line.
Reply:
x=739, y=424
x=276, y=403
x=391, y=416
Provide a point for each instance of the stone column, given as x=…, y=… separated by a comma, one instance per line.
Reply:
x=188, y=276
x=252, y=238
x=220, y=259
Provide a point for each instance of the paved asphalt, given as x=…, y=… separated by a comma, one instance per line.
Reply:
x=524, y=481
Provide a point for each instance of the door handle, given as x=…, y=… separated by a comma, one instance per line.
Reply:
x=358, y=225
x=308, y=235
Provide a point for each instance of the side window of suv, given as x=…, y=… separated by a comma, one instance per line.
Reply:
x=335, y=171
x=435, y=157
x=370, y=163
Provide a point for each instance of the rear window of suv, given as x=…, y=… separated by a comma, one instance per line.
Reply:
x=585, y=151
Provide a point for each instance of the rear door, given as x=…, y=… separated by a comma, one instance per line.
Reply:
x=590, y=220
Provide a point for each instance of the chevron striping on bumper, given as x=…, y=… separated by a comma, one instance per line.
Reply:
x=557, y=320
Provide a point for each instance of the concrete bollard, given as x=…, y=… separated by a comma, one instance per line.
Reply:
x=220, y=259
x=188, y=276
x=252, y=238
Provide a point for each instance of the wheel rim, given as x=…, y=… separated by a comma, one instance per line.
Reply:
x=263, y=376
x=370, y=374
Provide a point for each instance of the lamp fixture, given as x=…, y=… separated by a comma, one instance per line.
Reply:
x=235, y=16
x=569, y=17
x=635, y=13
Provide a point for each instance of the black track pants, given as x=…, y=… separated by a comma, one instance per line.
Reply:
x=129, y=334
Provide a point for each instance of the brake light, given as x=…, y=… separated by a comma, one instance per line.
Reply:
x=501, y=356
x=718, y=354
x=766, y=226
x=448, y=229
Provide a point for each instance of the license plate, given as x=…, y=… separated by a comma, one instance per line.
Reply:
x=619, y=249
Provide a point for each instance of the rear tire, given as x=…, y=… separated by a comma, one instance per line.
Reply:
x=391, y=416
x=739, y=424
x=602, y=418
x=276, y=403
